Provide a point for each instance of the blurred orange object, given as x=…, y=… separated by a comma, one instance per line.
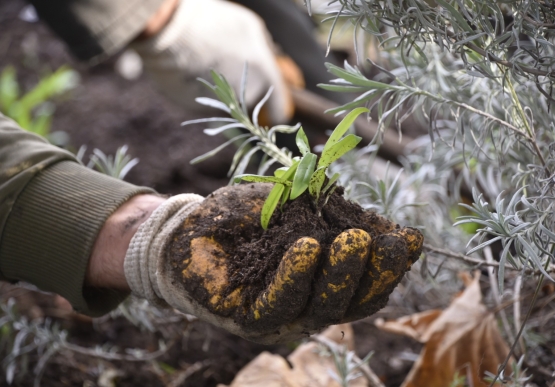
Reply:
x=293, y=77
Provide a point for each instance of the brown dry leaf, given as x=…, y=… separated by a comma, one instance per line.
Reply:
x=309, y=369
x=463, y=339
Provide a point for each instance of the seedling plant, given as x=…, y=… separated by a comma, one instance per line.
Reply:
x=298, y=174
x=33, y=110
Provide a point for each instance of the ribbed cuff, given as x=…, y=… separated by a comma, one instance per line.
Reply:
x=51, y=230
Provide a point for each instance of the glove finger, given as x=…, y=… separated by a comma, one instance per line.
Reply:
x=338, y=280
x=205, y=277
x=288, y=293
x=391, y=256
x=415, y=240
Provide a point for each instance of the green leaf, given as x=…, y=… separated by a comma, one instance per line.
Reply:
x=342, y=128
x=217, y=149
x=533, y=257
x=223, y=128
x=342, y=88
x=303, y=175
x=338, y=149
x=270, y=205
x=330, y=182
x=262, y=179
x=280, y=171
x=54, y=84
x=41, y=125
x=456, y=14
x=213, y=103
x=285, y=195
x=9, y=88
x=302, y=142
x=361, y=100
x=316, y=182
x=288, y=175
x=357, y=79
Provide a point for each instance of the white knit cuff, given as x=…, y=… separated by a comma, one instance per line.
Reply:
x=147, y=245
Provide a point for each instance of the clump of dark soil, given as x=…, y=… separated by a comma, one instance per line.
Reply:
x=231, y=218
x=255, y=262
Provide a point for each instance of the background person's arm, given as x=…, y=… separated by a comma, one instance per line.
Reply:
x=97, y=29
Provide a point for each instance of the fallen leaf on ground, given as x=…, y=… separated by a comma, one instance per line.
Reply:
x=308, y=367
x=460, y=341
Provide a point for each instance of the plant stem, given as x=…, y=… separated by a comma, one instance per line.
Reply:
x=526, y=123
x=271, y=148
x=519, y=334
x=516, y=341
x=472, y=109
x=370, y=376
x=475, y=261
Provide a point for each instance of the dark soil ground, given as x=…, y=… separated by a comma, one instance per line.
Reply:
x=105, y=112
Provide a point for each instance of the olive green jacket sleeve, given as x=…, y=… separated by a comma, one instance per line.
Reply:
x=51, y=211
x=96, y=29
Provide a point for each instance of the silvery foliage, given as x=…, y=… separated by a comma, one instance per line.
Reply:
x=151, y=318
x=348, y=366
x=516, y=378
x=117, y=165
x=483, y=86
x=345, y=364
x=24, y=341
x=259, y=139
x=21, y=338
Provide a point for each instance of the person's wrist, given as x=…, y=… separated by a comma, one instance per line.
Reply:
x=105, y=268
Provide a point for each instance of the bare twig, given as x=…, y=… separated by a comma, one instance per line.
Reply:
x=496, y=296
x=462, y=257
x=182, y=376
x=505, y=63
x=516, y=309
x=536, y=23
x=115, y=356
x=476, y=261
x=519, y=334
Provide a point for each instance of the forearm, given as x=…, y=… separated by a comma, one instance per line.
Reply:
x=52, y=210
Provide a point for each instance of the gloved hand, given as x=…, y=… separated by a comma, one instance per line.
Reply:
x=177, y=258
x=218, y=35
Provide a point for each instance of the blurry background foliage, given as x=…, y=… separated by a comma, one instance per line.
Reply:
x=33, y=109
x=479, y=75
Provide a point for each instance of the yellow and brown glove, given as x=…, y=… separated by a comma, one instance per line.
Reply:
x=180, y=257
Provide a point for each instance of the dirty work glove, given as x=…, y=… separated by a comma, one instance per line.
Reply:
x=178, y=257
x=218, y=35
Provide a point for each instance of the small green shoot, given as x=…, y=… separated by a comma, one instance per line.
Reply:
x=306, y=173
x=298, y=174
x=33, y=110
